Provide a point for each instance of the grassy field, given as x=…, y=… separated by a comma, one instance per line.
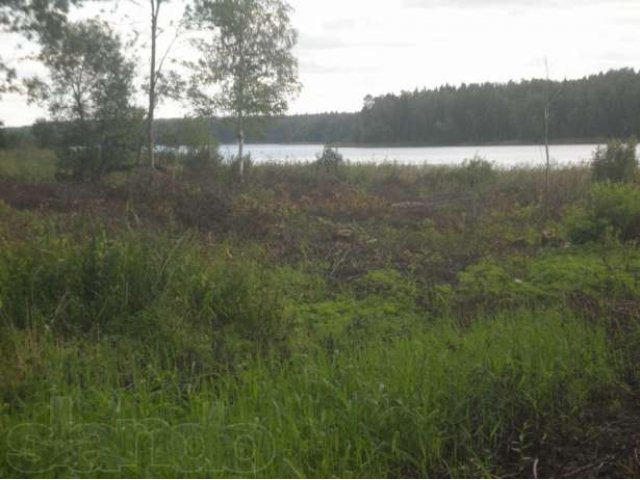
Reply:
x=347, y=320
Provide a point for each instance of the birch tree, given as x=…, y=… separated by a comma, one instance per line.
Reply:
x=161, y=84
x=245, y=58
x=153, y=80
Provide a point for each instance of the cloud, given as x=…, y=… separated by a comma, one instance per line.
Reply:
x=627, y=20
x=343, y=23
x=329, y=42
x=320, y=42
x=617, y=56
x=511, y=3
x=16, y=113
x=317, y=68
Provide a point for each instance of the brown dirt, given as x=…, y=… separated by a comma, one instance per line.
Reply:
x=59, y=197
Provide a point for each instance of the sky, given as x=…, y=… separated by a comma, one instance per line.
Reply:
x=348, y=49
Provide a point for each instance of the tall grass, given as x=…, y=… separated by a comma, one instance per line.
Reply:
x=302, y=324
x=168, y=360
x=164, y=293
x=30, y=164
x=443, y=402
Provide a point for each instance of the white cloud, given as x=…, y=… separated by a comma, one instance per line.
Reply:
x=529, y=4
x=349, y=48
x=327, y=42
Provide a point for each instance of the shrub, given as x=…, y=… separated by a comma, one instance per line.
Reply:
x=611, y=209
x=12, y=139
x=476, y=171
x=330, y=159
x=615, y=163
x=201, y=159
x=47, y=134
x=89, y=151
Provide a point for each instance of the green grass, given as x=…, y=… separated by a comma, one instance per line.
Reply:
x=442, y=402
x=191, y=326
x=30, y=164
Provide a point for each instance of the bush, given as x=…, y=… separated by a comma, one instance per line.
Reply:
x=47, y=134
x=88, y=152
x=330, y=159
x=615, y=163
x=192, y=162
x=476, y=171
x=201, y=159
x=11, y=140
x=611, y=209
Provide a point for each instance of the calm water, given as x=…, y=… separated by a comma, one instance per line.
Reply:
x=501, y=155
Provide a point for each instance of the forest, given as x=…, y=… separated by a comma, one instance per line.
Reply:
x=599, y=106
x=590, y=109
x=593, y=108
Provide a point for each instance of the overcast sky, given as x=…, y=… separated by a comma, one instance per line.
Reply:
x=350, y=48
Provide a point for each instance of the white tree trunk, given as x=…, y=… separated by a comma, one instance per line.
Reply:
x=155, y=6
x=547, y=114
x=241, y=147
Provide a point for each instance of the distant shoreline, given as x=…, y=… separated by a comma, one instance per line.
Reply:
x=596, y=141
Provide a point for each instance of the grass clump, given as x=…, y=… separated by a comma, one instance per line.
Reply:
x=155, y=290
x=28, y=164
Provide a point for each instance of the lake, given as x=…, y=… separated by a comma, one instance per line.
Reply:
x=506, y=156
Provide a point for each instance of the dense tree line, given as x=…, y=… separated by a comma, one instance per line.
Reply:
x=599, y=106
x=312, y=128
x=315, y=128
x=603, y=105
